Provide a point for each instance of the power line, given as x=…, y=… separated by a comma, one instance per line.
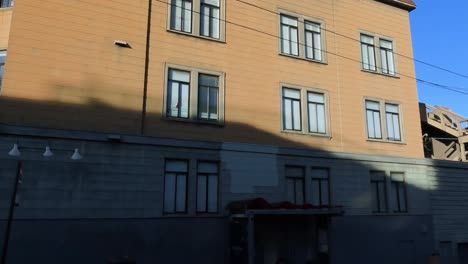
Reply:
x=351, y=38
x=446, y=87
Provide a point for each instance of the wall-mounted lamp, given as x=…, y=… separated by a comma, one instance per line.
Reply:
x=47, y=152
x=122, y=43
x=14, y=151
x=76, y=155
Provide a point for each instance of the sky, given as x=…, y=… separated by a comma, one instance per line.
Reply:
x=440, y=35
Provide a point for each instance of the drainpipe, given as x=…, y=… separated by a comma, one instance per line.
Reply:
x=145, y=82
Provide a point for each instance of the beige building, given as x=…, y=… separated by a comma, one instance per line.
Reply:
x=323, y=75
x=216, y=131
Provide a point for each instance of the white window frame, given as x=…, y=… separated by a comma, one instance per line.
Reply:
x=383, y=120
x=379, y=51
x=304, y=109
x=301, y=28
x=194, y=115
x=196, y=17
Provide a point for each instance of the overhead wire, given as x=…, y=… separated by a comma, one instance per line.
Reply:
x=357, y=40
x=442, y=86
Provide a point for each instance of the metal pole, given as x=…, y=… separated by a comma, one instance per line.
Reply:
x=250, y=238
x=11, y=211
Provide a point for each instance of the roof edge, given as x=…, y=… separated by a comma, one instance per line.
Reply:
x=407, y=5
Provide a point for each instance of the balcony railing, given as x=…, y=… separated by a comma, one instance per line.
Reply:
x=6, y=3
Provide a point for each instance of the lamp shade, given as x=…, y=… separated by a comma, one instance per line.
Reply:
x=47, y=152
x=14, y=151
x=76, y=155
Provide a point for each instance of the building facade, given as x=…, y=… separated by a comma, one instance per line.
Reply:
x=176, y=110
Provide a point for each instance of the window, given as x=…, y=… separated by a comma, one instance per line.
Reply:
x=313, y=40
x=399, y=192
x=208, y=97
x=368, y=52
x=3, y=54
x=209, y=18
x=207, y=187
x=386, y=57
x=378, y=192
x=301, y=37
x=203, y=18
x=446, y=252
x=289, y=35
x=194, y=95
x=178, y=93
x=175, y=186
x=6, y=3
x=292, y=109
x=316, y=111
x=373, y=119
x=181, y=15
x=393, y=122
x=385, y=63
x=314, y=107
x=295, y=184
x=320, y=187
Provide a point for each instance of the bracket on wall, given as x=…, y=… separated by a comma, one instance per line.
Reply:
x=122, y=43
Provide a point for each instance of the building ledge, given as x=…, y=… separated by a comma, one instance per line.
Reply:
x=408, y=5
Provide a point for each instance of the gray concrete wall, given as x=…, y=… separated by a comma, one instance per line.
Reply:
x=96, y=241
x=381, y=239
x=123, y=182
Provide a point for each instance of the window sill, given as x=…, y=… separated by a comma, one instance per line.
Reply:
x=302, y=58
x=195, y=121
x=6, y=8
x=389, y=213
x=187, y=215
x=386, y=141
x=220, y=40
x=306, y=134
x=394, y=76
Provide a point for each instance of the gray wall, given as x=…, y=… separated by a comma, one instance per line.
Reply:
x=96, y=241
x=381, y=239
x=118, y=187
